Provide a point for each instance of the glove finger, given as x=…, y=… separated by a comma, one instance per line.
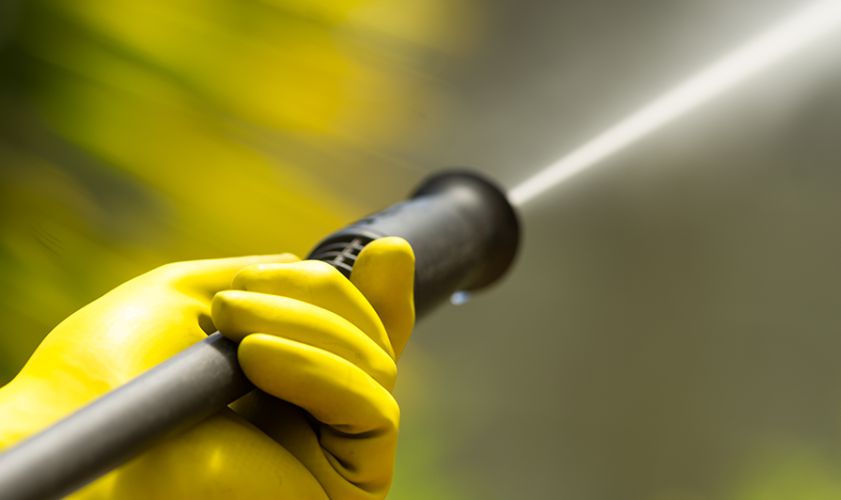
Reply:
x=238, y=313
x=206, y=277
x=385, y=274
x=362, y=416
x=320, y=284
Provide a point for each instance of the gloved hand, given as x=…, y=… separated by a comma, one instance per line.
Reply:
x=321, y=348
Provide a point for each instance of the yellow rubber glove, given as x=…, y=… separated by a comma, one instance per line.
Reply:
x=321, y=348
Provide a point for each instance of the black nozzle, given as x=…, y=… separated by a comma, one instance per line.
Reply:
x=461, y=226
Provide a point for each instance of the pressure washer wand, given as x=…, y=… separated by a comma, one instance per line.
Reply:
x=464, y=234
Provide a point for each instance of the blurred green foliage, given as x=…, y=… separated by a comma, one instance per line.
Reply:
x=136, y=133
x=789, y=470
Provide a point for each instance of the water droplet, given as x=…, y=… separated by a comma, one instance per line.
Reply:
x=460, y=298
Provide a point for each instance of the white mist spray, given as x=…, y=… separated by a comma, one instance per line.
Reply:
x=773, y=46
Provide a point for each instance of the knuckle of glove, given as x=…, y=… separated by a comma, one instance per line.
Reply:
x=269, y=276
x=223, y=311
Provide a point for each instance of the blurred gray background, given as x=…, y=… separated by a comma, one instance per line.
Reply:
x=673, y=324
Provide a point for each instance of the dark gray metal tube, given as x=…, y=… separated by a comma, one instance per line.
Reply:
x=464, y=234
x=110, y=431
